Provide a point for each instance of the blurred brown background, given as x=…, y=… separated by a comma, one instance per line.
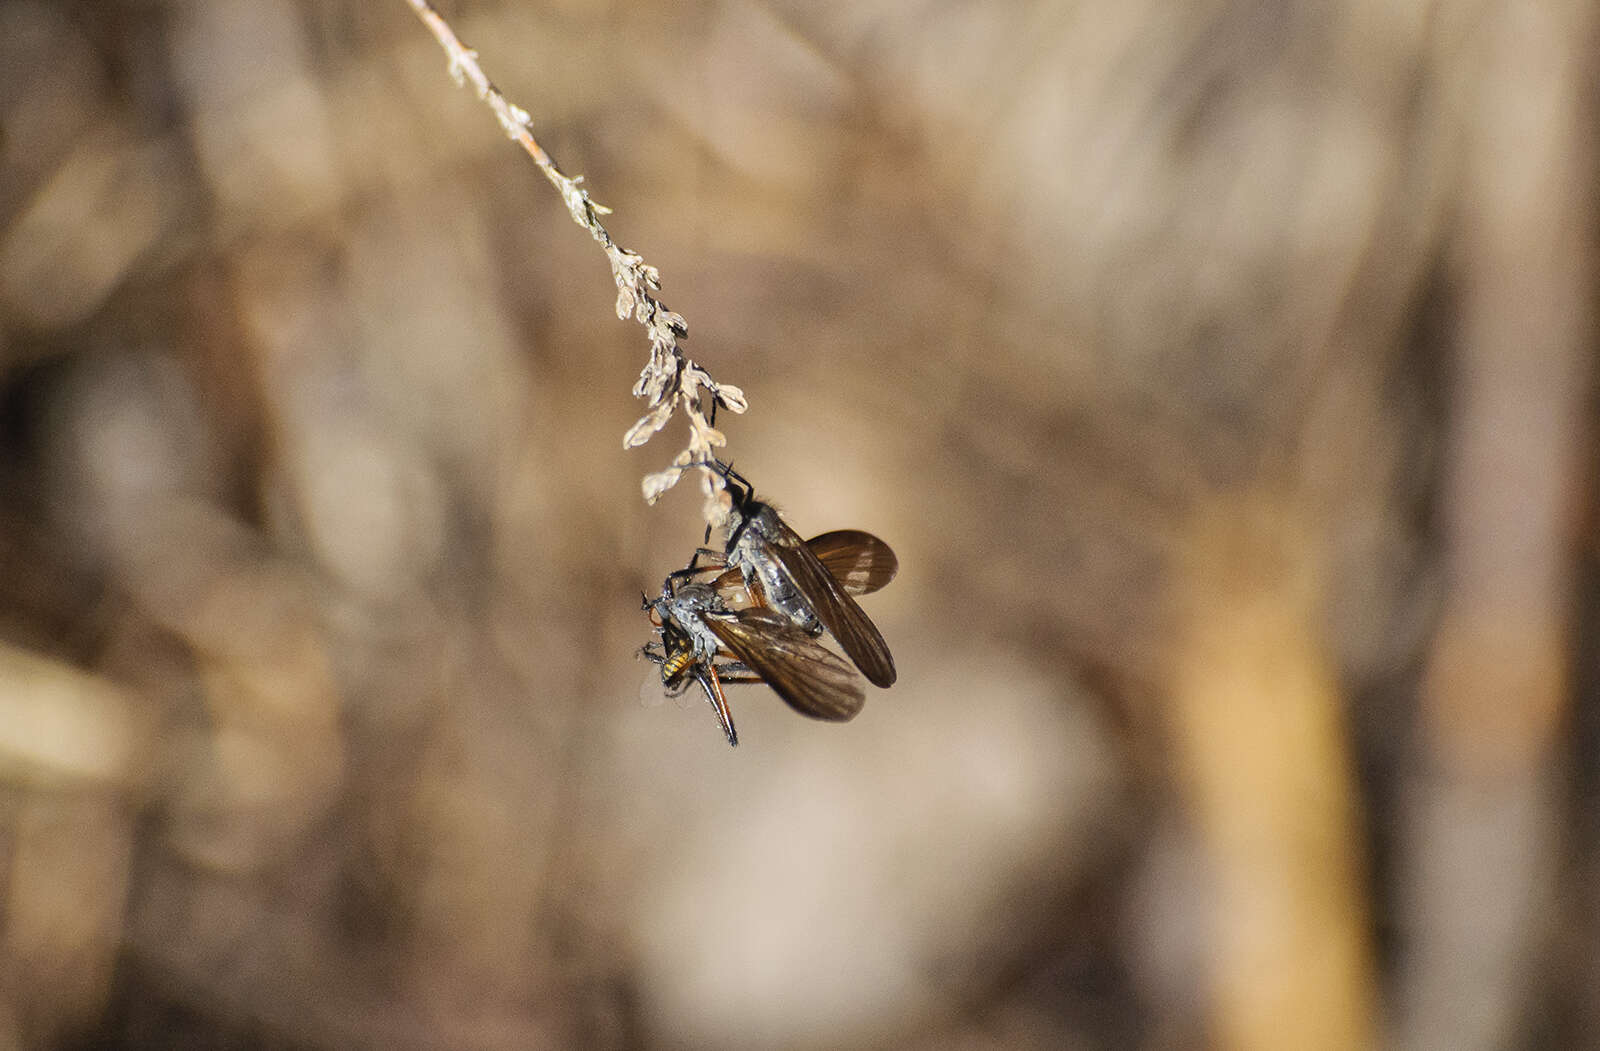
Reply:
x=1221, y=373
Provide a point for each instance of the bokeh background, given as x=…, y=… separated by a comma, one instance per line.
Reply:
x=1221, y=373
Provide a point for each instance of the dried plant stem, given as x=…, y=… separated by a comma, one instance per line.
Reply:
x=670, y=380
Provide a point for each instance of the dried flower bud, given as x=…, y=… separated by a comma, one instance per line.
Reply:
x=658, y=483
x=648, y=424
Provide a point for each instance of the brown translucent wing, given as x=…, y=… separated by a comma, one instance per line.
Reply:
x=838, y=612
x=858, y=560
x=811, y=678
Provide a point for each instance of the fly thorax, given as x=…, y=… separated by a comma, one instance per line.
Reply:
x=688, y=607
x=706, y=644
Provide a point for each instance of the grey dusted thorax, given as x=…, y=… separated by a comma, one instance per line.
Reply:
x=687, y=606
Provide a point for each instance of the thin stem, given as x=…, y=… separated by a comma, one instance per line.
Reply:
x=464, y=67
x=670, y=380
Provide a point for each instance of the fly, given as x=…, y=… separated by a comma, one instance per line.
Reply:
x=702, y=638
x=810, y=583
x=681, y=660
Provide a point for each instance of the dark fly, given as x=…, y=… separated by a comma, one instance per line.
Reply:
x=810, y=587
x=682, y=657
x=702, y=638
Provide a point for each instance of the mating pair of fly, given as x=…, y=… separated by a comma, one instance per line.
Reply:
x=754, y=612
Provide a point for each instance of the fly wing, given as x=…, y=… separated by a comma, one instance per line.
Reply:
x=838, y=612
x=858, y=560
x=807, y=675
